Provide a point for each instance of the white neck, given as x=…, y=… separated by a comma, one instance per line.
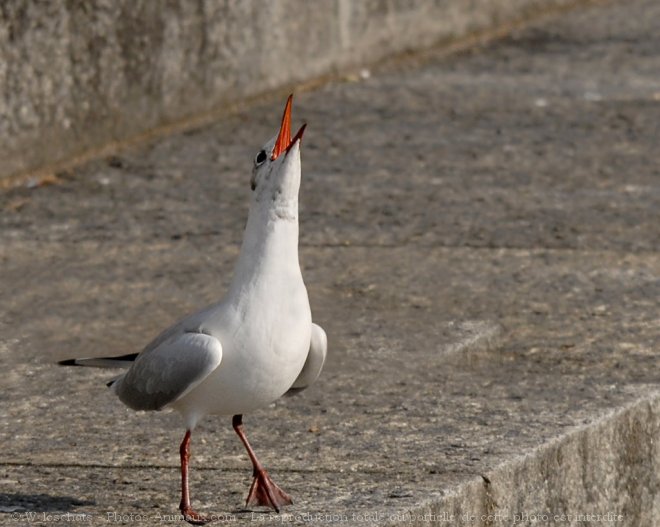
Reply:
x=270, y=247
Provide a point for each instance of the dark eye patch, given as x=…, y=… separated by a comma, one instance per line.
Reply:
x=260, y=158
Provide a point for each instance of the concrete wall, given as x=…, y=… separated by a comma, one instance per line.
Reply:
x=75, y=76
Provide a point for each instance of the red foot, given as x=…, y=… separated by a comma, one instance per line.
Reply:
x=264, y=492
x=193, y=518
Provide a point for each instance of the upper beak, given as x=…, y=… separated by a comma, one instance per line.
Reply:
x=284, y=141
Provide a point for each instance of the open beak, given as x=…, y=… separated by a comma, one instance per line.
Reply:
x=284, y=141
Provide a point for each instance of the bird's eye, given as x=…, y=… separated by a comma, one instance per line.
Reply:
x=260, y=159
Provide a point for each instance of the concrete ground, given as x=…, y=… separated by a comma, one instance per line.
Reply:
x=480, y=236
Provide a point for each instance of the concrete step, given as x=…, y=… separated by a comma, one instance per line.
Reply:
x=479, y=236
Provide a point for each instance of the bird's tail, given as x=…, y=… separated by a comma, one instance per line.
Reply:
x=122, y=361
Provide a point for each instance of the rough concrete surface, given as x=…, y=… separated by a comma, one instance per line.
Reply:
x=480, y=238
x=76, y=76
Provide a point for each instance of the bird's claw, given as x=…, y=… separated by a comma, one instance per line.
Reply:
x=192, y=517
x=264, y=492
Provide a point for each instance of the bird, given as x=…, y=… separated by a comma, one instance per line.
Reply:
x=253, y=346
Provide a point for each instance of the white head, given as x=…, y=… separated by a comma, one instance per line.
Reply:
x=276, y=174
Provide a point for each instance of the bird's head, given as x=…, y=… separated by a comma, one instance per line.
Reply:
x=276, y=174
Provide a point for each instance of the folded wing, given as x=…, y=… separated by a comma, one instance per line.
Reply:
x=161, y=375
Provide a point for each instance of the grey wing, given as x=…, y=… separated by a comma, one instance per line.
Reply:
x=318, y=348
x=168, y=371
x=189, y=324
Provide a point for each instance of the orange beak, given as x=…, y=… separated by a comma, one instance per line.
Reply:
x=284, y=141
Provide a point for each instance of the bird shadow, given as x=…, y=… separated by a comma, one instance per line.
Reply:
x=39, y=503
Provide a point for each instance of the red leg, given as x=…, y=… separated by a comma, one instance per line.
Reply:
x=263, y=491
x=188, y=513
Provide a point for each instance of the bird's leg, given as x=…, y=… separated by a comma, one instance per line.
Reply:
x=188, y=513
x=263, y=491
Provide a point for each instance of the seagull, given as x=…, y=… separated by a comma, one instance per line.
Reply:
x=255, y=345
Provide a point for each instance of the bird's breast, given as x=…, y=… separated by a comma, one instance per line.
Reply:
x=277, y=326
x=267, y=348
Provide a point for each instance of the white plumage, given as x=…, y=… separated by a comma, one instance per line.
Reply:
x=253, y=346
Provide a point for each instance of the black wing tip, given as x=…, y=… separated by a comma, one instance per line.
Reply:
x=129, y=357
x=67, y=362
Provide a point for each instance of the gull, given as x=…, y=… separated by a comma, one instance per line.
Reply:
x=255, y=345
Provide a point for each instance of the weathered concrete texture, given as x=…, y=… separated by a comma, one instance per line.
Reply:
x=75, y=76
x=480, y=237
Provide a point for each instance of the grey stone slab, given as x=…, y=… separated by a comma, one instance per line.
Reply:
x=492, y=312
x=412, y=404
